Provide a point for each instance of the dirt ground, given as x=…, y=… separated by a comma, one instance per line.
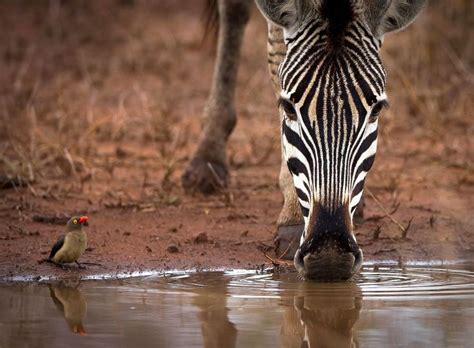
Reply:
x=100, y=105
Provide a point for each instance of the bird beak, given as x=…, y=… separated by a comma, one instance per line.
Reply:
x=80, y=330
x=83, y=219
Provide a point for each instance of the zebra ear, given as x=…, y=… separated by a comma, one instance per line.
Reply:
x=385, y=16
x=283, y=13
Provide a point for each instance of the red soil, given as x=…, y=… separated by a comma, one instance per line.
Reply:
x=117, y=91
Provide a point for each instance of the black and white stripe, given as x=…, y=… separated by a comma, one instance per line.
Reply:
x=330, y=145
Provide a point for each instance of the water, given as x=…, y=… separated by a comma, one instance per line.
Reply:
x=384, y=307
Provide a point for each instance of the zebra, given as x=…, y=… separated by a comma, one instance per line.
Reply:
x=327, y=74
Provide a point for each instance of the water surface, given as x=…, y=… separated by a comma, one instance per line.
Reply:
x=384, y=307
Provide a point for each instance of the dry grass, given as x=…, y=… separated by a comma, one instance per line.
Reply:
x=103, y=98
x=431, y=78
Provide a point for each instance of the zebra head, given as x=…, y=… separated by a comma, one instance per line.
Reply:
x=332, y=91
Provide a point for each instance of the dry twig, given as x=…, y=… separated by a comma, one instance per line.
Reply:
x=402, y=228
x=287, y=248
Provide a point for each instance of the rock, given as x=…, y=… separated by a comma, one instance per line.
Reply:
x=201, y=238
x=172, y=248
x=120, y=152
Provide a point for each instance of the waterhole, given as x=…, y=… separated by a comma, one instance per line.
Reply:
x=382, y=307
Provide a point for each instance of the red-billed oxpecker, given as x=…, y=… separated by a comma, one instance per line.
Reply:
x=70, y=246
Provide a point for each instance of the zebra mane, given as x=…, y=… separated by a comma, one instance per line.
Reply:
x=338, y=15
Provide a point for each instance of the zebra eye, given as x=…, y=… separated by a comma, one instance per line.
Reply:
x=288, y=108
x=376, y=110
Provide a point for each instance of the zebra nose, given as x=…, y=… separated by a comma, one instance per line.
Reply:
x=329, y=259
x=338, y=241
x=329, y=251
x=328, y=263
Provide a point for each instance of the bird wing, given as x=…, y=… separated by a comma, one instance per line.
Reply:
x=59, y=243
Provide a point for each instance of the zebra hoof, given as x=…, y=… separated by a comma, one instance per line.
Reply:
x=204, y=176
x=287, y=241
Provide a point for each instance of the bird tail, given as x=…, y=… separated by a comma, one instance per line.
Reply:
x=45, y=260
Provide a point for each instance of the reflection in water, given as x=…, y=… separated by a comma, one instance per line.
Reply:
x=322, y=316
x=217, y=329
x=409, y=308
x=314, y=314
x=72, y=305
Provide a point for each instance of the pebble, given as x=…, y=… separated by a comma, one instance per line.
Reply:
x=172, y=248
x=201, y=238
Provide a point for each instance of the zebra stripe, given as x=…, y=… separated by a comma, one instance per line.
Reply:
x=331, y=145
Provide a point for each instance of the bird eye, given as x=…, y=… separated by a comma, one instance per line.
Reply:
x=376, y=110
x=288, y=108
x=74, y=221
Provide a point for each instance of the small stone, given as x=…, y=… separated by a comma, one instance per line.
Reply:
x=120, y=152
x=172, y=248
x=149, y=249
x=127, y=233
x=201, y=238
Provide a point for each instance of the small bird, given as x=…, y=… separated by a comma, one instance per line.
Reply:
x=70, y=246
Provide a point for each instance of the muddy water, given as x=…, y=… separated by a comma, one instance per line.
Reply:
x=384, y=307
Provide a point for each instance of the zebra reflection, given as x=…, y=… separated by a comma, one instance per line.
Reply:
x=322, y=315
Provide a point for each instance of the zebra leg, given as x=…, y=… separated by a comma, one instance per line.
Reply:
x=290, y=221
x=207, y=170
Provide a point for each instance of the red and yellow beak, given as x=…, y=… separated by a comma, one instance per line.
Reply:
x=83, y=219
x=79, y=329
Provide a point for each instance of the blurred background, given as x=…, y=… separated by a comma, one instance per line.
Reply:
x=100, y=105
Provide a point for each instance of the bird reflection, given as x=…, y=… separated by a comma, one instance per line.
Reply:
x=217, y=329
x=72, y=304
x=321, y=315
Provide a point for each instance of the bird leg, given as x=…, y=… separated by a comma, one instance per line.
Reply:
x=91, y=263
x=54, y=263
x=79, y=265
x=63, y=266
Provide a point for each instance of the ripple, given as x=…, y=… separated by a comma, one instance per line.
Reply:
x=417, y=281
x=372, y=283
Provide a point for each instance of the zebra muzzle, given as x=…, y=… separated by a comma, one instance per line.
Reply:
x=328, y=263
